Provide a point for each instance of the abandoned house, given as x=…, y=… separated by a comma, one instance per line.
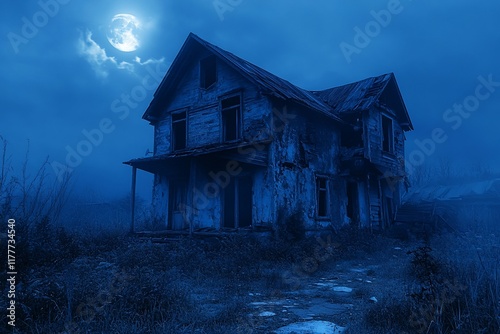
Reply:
x=236, y=147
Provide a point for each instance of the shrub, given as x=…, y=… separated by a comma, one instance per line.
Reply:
x=291, y=227
x=389, y=316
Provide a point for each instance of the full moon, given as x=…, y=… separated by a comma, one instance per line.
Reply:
x=123, y=32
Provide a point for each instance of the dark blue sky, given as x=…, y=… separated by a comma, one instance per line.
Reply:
x=61, y=76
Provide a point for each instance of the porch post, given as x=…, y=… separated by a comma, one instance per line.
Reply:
x=132, y=199
x=192, y=183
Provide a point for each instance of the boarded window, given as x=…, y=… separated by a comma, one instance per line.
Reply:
x=179, y=131
x=387, y=133
x=231, y=118
x=208, y=72
x=322, y=197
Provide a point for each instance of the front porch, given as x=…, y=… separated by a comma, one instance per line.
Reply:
x=206, y=191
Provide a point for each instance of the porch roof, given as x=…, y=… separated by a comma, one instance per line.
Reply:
x=251, y=153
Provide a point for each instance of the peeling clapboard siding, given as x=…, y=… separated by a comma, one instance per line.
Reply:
x=162, y=136
x=308, y=146
x=203, y=111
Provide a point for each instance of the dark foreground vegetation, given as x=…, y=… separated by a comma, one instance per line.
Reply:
x=114, y=283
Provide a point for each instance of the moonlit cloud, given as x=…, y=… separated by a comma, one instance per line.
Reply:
x=101, y=63
x=149, y=61
x=97, y=57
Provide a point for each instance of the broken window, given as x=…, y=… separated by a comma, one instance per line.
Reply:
x=387, y=133
x=179, y=130
x=231, y=118
x=322, y=196
x=208, y=72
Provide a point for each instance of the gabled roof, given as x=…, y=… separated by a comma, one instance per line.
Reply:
x=363, y=95
x=333, y=102
x=269, y=83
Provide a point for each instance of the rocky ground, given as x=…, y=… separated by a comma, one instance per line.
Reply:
x=334, y=298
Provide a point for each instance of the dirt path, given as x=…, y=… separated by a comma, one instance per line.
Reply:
x=337, y=298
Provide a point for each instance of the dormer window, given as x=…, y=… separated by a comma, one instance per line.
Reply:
x=208, y=72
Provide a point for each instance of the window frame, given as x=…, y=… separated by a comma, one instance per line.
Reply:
x=204, y=63
x=390, y=134
x=239, y=117
x=173, y=131
x=326, y=191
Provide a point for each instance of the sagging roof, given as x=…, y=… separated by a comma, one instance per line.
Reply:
x=489, y=189
x=268, y=82
x=363, y=95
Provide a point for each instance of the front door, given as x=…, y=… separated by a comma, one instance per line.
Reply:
x=177, y=204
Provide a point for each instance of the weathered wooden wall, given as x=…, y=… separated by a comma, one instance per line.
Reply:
x=372, y=121
x=308, y=145
x=203, y=111
x=204, y=129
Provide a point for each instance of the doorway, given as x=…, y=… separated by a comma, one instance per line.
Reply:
x=237, y=203
x=176, y=206
x=352, y=202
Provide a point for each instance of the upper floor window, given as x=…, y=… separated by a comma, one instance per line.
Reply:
x=231, y=118
x=179, y=130
x=208, y=72
x=387, y=135
x=322, y=194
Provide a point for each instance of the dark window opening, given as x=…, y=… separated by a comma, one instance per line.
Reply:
x=352, y=200
x=208, y=72
x=351, y=138
x=179, y=130
x=231, y=118
x=230, y=205
x=387, y=139
x=237, y=205
x=245, y=202
x=322, y=196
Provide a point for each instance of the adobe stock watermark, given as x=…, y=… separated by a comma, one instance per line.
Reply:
x=121, y=108
x=453, y=117
x=32, y=25
x=223, y=6
x=372, y=29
